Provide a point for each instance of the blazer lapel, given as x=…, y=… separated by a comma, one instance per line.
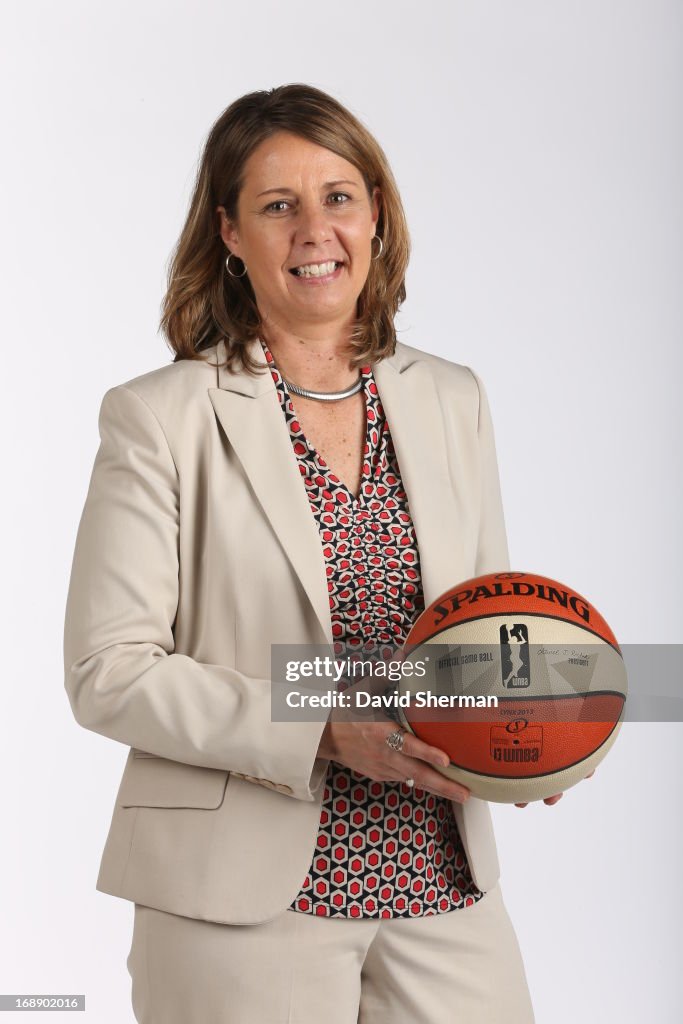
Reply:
x=249, y=412
x=412, y=407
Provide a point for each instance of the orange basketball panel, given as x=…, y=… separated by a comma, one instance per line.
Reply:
x=560, y=735
x=508, y=593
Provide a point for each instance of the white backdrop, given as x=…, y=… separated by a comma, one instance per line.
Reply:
x=538, y=149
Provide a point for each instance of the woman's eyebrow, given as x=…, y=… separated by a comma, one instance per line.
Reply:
x=327, y=184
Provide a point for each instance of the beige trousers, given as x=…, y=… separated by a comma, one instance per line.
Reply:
x=463, y=967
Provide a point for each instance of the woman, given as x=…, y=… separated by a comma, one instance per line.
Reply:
x=296, y=476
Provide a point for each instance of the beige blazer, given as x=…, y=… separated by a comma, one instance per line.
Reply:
x=197, y=550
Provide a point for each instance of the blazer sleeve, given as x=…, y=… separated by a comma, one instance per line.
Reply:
x=492, y=547
x=123, y=677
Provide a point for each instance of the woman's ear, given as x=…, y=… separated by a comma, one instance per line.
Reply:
x=376, y=205
x=228, y=231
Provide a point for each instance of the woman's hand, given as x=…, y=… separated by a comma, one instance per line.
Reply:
x=550, y=800
x=361, y=745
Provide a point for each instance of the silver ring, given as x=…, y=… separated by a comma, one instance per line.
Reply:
x=410, y=782
x=396, y=739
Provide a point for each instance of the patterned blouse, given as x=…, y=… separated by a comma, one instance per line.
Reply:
x=383, y=849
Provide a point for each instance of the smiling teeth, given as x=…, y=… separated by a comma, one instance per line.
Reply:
x=316, y=269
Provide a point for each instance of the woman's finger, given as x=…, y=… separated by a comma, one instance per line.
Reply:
x=414, y=747
x=549, y=800
x=407, y=767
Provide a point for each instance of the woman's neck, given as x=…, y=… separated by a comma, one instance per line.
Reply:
x=314, y=363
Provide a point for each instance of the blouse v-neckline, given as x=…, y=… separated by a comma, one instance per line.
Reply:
x=316, y=458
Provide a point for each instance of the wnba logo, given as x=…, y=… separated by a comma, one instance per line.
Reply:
x=514, y=650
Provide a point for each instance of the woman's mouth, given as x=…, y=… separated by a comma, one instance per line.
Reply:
x=317, y=273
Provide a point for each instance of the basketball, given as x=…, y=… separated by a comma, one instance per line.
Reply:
x=519, y=679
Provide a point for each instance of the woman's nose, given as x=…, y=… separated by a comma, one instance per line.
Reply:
x=313, y=223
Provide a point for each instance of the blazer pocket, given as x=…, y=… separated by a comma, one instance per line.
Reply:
x=151, y=781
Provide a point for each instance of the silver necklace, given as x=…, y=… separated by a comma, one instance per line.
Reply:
x=326, y=396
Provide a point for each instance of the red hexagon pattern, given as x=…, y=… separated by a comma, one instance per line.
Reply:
x=383, y=849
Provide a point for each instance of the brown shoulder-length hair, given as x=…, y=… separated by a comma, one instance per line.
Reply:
x=203, y=303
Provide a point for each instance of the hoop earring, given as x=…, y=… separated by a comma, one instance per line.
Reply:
x=381, y=246
x=227, y=266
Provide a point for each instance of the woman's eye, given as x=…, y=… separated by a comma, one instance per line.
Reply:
x=276, y=203
x=343, y=195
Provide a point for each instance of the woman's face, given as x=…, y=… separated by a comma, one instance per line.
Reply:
x=301, y=204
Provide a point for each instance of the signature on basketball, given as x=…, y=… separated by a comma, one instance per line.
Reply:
x=560, y=650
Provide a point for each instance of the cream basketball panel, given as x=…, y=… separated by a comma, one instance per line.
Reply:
x=564, y=659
